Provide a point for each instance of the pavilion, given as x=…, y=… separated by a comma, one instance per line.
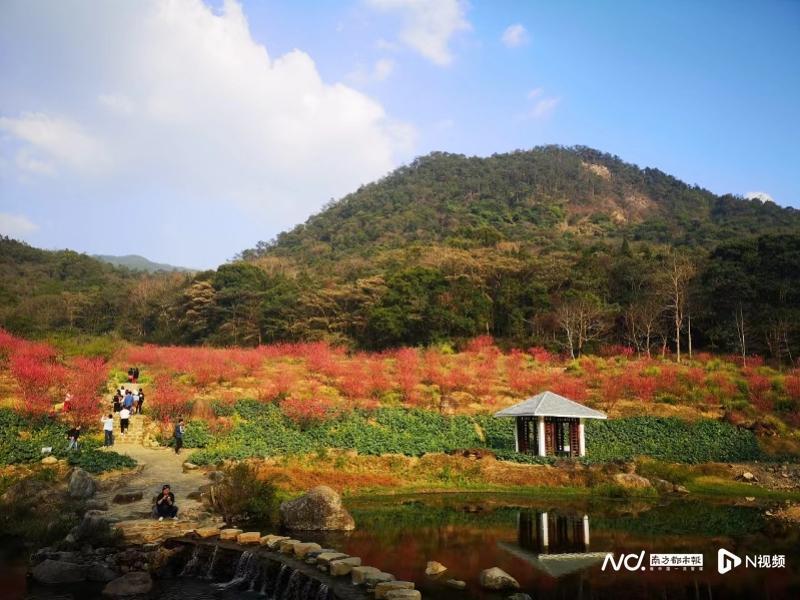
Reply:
x=549, y=424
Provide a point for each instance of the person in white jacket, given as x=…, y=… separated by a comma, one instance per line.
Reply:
x=108, y=430
x=124, y=415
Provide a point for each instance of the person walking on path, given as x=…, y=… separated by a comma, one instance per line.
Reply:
x=165, y=504
x=128, y=401
x=178, y=435
x=72, y=436
x=139, y=401
x=124, y=415
x=108, y=430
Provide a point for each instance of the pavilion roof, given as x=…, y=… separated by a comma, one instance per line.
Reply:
x=549, y=404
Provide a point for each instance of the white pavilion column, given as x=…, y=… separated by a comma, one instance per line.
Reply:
x=540, y=436
x=543, y=530
x=516, y=434
x=581, y=439
x=586, y=531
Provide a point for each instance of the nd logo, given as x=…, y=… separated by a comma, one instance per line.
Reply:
x=631, y=562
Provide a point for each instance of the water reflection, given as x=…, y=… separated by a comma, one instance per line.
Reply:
x=556, y=544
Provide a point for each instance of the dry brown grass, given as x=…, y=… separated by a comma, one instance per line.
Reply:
x=346, y=471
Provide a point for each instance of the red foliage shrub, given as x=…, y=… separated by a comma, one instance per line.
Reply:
x=570, y=387
x=614, y=350
x=758, y=387
x=541, y=355
x=170, y=400
x=408, y=376
x=86, y=380
x=39, y=377
x=792, y=385
x=307, y=411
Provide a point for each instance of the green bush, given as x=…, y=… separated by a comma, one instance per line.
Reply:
x=220, y=408
x=97, y=461
x=242, y=497
x=670, y=439
x=22, y=440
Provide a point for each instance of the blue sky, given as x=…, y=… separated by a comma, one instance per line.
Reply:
x=188, y=131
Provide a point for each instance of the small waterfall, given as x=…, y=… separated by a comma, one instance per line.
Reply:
x=212, y=563
x=190, y=568
x=306, y=593
x=243, y=572
x=323, y=592
x=281, y=581
x=292, y=587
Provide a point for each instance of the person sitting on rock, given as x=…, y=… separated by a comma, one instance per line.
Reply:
x=165, y=504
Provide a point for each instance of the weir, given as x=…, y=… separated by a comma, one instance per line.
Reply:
x=275, y=576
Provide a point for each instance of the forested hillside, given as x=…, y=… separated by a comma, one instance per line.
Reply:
x=566, y=248
x=549, y=197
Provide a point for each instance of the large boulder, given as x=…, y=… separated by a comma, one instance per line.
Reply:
x=93, y=527
x=31, y=491
x=130, y=584
x=497, y=579
x=320, y=509
x=101, y=572
x=81, y=485
x=58, y=571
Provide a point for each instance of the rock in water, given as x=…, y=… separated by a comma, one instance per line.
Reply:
x=130, y=584
x=318, y=509
x=101, y=572
x=58, y=571
x=434, y=568
x=497, y=579
x=81, y=485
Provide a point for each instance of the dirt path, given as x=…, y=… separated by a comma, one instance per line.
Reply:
x=158, y=466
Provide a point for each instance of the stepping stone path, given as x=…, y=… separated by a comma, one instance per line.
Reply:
x=336, y=564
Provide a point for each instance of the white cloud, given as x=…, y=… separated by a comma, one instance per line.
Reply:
x=535, y=93
x=380, y=71
x=428, y=25
x=762, y=196
x=192, y=107
x=515, y=36
x=544, y=107
x=117, y=103
x=16, y=226
x=383, y=68
x=49, y=140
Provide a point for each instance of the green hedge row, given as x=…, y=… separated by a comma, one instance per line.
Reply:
x=22, y=440
x=265, y=431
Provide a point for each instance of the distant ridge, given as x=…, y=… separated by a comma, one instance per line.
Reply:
x=135, y=262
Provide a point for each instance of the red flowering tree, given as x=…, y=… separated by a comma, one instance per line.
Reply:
x=85, y=382
x=170, y=400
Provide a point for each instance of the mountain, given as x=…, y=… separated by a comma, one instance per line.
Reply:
x=135, y=262
x=567, y=248
x=549, y=197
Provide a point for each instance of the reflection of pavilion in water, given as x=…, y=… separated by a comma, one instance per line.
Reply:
x=555, y=543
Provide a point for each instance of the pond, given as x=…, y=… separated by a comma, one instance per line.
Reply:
x=555, y=548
